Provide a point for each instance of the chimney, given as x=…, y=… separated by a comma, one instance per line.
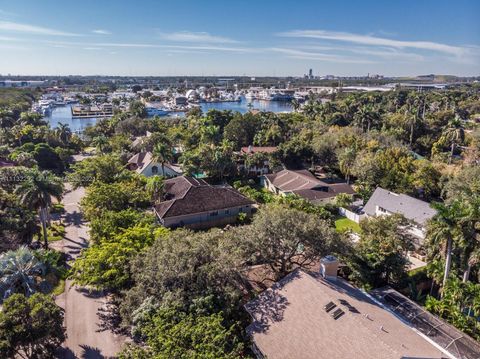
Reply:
x=250, y=149
x=329, y=267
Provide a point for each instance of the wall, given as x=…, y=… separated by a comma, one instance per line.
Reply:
x=205, y=220
x=168, y=171
x=351, y=215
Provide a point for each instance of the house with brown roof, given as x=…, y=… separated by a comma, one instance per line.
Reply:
x=145, y=164
x=193, y=203
x=313, y=315
x=261, y=165
x=304, y=184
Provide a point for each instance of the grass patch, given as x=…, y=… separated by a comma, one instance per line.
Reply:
x=59, y=288
x=56, y=232
x=343, y=224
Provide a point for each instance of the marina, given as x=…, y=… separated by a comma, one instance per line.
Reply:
x=63, y=114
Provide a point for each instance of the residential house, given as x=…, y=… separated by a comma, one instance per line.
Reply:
x=384, y=202
x=193, y=203
x=313, y=315
x=260, y=167
x=304, y=184
x=144, y=163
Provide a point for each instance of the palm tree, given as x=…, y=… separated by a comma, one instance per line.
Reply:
x=100, y=142
x=155, y=186
x=63, y=133
x=19, y=270
x=454, y=134
x=162, y=153
x=36, y=192
x=346, y=160
x=443, y=230
x=295, y=105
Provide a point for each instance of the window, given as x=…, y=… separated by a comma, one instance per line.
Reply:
x=154, y=169
x=227, y=211
x=213, y=214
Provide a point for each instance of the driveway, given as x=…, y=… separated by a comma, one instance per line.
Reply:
x=87, y=336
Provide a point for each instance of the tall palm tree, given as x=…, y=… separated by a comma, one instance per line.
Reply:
x=454, y=134
x=346, y=160
x=19, y=270
x=36, y=192
x=162, y=153
x=445, y=229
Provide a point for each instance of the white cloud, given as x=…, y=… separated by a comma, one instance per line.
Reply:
x=32, y=29
x=318, y=56
x=158, y=46
x=101, y=32
x=375, y=41
x=196, y=37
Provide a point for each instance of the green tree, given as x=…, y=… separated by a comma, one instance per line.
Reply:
x=30, y=328
x=183, y=267
x=286, y=238
x=171, y=333
x=118, y=196
x=380, y=255
x=163, y=153
x=443, y=230
x=106, y=265
x=105, y=168
x=36, y=191
x=63, y=133
x=155, y=187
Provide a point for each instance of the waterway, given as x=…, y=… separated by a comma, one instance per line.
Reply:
x=64, y=115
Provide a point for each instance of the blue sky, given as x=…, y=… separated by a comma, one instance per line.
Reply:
x=262, y=37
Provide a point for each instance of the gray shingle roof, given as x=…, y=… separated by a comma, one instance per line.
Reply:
x=411, y=208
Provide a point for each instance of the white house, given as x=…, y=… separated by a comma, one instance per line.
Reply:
x=144, y=163
x=383, y=202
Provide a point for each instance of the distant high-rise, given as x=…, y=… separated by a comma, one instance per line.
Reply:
x=310, y=74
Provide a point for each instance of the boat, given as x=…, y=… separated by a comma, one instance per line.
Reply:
x=156, y=111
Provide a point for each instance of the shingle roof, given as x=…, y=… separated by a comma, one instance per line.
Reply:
x=290, y=322
x=306, y=185
x=188, y=195
x=288, y=180
x=411, y=208
x=142, y=160
x=254, y=149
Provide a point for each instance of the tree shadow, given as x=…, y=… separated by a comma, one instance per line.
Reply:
x=74, y=218
x=91, y=353
x=110, y=319
x=65, y=353
x=269, y=307
x=90, y=293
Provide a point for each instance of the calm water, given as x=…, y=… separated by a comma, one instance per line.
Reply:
x=64, y=115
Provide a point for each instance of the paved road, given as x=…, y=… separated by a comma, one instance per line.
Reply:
x=86, y=337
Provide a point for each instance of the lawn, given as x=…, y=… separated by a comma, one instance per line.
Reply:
x=343, y=224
